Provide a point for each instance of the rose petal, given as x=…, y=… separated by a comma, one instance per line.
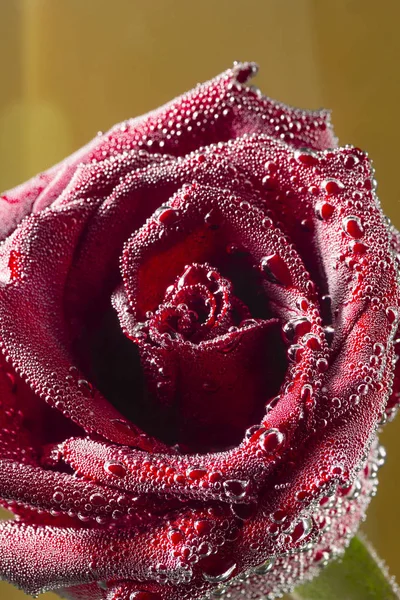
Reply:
x=34, y=336
x=59, y=492
x=236, y=110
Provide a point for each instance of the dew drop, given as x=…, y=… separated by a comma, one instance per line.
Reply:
x=244, y=511
x=235, y=489
x=97, y=499
x=351, y=161
x=353, y=227
x=295, y=353
x=332, y=186
x=363, y=389
x=264, y=567
x=329, y=333
x=115, y=468
x=175, y=536
x=195, y=473
x=392, y=314
x=322, y=365
x=296, y=328
x=324, y=210
x=219, y=572
x=358, y=247
x=58, y=497
x=269, y=182
x=166, y=215
x=271, y=440
x=302, y=530
x=275, y=270
x=306, y=157
x=203, y=527
x=378, y=349
x=271, y=404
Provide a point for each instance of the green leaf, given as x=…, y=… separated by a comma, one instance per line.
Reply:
x=358, y=575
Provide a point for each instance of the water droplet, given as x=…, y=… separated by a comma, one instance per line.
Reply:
x=306, y=392
x=123, y=426
x=58, y=497
x=271, y=404
x=264, y=567
x=236, y=489
x=279, y=516
x=306, y=156
x=392, y=314
x=219, y=572
x=86, y=387
x=353, y=491
x=324, y=210
x=115, y=468
x=353, y=227
x=312, y=341
x=321, y=558
x=301, y=530
x=332, y=186
x=269, y=182
x=252, y=431
x=218, y=592
x=276, y=270
x=175, y=536
x=322, y=365
x=195, y=473
x=378, y=349
x=351, y=161
x=295, y=353
x=358, y=247
x=97, y=499
x=270, y=166
x=271, y=440
x=329, y=333
x=296, y=328
x=244, y=511
x=203, y=527
x=166, y=215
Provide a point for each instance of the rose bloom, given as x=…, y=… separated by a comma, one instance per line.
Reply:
x=197, y=320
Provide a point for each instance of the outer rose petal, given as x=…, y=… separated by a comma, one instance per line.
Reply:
x=178, y=128
x=42, y=325
x=94, y=555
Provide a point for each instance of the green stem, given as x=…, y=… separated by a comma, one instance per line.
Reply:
x=358, y=575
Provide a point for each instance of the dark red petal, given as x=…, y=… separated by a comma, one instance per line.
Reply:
x=156, y=254
x=16, y=441
x=98, y=179
x=60, y=493
x=33, y=331
x=15, y=204
x=178, y=128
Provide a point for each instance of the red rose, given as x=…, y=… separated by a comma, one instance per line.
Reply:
x=198, y=415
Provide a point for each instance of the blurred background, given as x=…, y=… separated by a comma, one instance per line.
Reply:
x=69, y=68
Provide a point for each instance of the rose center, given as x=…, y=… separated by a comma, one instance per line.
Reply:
x=196, y=306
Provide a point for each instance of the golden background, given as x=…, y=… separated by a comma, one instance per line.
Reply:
x=71, y=67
